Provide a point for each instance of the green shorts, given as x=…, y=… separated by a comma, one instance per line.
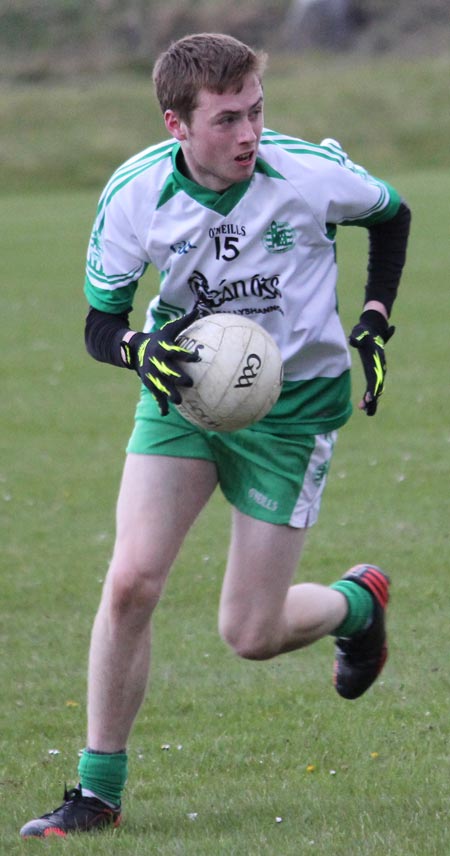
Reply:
x=270, y=476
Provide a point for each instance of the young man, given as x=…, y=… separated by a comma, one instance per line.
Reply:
x=239, y=219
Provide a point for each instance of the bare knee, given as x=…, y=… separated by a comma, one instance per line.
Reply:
x=132, y=591
x=248, y=642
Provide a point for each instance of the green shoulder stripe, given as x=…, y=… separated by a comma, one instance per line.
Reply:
x=386, y=208
x=133, y=167
x=301, y=147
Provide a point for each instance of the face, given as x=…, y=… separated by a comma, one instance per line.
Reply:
x=220, y=143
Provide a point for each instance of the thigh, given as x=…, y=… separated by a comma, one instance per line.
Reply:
x=262, y=560
x=160, y=497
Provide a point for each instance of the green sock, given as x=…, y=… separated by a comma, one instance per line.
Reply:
x=360, y=608
x=104, y=775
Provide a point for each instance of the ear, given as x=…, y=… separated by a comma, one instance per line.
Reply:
x=176, y=127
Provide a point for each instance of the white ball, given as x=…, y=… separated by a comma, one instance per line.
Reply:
x=239, y=376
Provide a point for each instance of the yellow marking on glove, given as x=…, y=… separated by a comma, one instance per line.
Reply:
x=141, y=351
x=379, y=374
x=157, y=383
x=169, y=346
x=163, y=368
x=127, y=352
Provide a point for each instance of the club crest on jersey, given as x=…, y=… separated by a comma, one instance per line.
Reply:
x=279, y=237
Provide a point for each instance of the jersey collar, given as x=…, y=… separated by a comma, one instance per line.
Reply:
x=223, y=203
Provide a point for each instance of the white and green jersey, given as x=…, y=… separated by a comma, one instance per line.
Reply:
x=264, y=248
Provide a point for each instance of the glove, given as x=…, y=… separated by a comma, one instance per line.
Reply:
x=156, y=356
x=370, y=337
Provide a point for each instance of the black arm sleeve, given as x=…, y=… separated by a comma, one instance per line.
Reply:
x=387, y=254
x=103, y=334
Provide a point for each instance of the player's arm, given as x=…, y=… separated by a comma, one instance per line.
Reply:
x=116, y=261
x=154, y=356
x=103, y=334
x=387, y=254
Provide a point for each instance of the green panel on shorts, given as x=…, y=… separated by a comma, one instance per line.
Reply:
x=154, y=434
x=304, y=407
x=260, y=472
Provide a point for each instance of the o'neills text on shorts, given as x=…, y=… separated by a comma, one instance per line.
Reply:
x=262, y=499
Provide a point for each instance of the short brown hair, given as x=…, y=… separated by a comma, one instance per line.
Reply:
x=212, y=61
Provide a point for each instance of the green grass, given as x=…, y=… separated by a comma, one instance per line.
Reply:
x=241, y=735
x=390, y=113
x=247, y=731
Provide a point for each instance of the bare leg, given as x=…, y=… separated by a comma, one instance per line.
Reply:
x=159, y=499
x=261, y=613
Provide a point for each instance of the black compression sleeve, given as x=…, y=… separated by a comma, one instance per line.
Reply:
x=103, y=334
x=387, y=253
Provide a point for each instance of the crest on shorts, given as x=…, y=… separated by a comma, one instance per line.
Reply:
x=320, y=472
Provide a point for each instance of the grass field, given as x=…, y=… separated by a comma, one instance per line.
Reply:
x=242, y=737
x=391, y=114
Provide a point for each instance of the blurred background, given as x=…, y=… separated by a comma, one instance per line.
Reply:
x=43, y=38
x=75, y=79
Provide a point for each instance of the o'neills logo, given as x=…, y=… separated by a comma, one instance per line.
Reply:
x=262, y=499
x=249, y=372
